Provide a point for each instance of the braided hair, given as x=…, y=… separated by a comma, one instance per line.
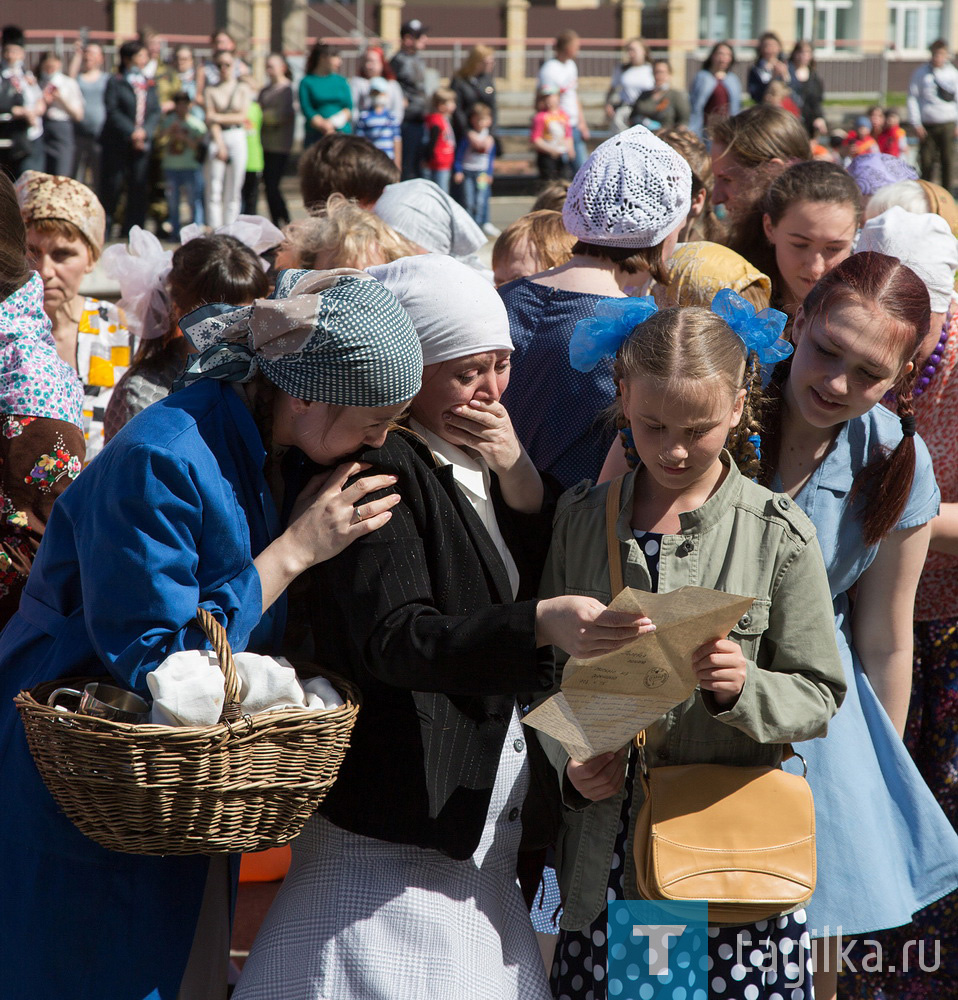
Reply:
x=693, y=345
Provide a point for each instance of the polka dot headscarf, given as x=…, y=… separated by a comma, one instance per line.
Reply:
x=337, y=337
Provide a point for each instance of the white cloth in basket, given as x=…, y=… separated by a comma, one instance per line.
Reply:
x=187, y=688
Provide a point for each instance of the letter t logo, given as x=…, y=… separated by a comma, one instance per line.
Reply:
x=658, y=935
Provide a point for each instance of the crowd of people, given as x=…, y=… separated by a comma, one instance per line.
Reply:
x=353, y=444
x=199, y=139
x=641, y=92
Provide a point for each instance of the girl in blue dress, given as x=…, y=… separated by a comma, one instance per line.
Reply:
x=885, y=848
x=177, y=513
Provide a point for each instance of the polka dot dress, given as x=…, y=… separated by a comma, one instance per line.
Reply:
x=767, y=960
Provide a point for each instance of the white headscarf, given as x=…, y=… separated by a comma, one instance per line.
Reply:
x=455, y=311
x=425, y=214
x=922, y=242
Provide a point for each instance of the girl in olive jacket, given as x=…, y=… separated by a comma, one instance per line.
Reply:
x=688, y=516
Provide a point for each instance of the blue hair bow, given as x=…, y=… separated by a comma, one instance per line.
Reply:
x=761, y=332
x=602, y=334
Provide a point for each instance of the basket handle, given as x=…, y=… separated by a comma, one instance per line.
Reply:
x=221, y=647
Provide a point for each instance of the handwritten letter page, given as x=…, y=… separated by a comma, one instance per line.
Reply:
x=605, y=700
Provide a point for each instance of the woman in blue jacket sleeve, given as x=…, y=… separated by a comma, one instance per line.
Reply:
x=177, y=513
x=716, y=90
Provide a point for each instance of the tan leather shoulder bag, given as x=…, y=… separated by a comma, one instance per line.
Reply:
x=741, y=838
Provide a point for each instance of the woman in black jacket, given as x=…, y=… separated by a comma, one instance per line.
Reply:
x=405, y=884
x=473, y=83
x=808, y=90
x=132, y=114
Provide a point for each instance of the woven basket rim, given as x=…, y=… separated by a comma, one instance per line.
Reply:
x=26, y=701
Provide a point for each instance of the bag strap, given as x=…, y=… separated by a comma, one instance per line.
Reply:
x=612, y=541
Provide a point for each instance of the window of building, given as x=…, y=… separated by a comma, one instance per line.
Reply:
x=733, y=19
x=833, y=24
x=914, y=24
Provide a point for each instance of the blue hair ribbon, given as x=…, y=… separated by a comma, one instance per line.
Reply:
x=761, y=332
x=603, y=333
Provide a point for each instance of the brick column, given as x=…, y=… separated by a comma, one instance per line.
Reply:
x=630, y=18
x=259, y=41
x=124, y=20
x=390, y=21
x=780, y=19
x=517, y=19
x=683, y=28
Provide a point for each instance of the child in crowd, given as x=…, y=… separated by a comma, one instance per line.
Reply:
x=181, y=137
x=213, y=268
x=440, y=152
x=533, y=243
x=624, y=235
x=779, y=95
x=553, y=195
x=475, y=156
x=348, y=164
x=892, y=139
x=775, y=679
x=341, y=234
x=861, y=139
x=378, y=123
x=551, y=136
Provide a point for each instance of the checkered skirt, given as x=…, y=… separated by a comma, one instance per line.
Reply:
x=363, y=919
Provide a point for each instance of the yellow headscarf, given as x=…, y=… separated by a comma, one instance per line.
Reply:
x=696, y=271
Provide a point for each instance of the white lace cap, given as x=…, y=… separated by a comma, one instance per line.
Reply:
x=631, y=192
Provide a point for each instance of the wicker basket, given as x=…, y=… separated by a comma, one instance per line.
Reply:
x=242, y=785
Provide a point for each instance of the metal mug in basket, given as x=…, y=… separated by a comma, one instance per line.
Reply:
x=104, y=701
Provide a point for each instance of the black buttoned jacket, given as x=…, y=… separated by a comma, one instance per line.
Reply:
x=420, y=615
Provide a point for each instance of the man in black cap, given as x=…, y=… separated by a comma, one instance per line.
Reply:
x=21, y=105
x=410, y=71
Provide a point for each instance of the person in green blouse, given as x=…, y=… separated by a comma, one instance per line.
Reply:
x=324, y=95
x=254, y=159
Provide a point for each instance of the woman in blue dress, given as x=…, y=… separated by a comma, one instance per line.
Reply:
x=885, y=848
x=177, y=513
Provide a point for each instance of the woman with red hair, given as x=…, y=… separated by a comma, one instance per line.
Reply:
x=373, y=64
x=857, y=468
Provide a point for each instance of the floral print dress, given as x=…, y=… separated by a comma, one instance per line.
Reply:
x=41, y=438
x=39, y=458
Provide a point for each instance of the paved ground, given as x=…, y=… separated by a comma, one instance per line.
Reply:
x=503, y=210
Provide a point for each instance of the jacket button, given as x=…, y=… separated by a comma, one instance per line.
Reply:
x=688, y=545
x=662, y=754
x=784, y=504
x=545, y=683
x=519, y=745
x=745, y=621
x=513, y=814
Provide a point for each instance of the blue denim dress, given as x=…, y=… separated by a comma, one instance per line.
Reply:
x=885, y=848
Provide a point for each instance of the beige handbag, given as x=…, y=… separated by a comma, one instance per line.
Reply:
x=741, y=838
